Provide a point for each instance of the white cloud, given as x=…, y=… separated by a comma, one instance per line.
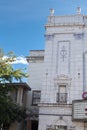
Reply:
x=20, y=60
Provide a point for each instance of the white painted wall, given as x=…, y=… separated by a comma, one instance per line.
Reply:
x=70, y=34
x=35, y=74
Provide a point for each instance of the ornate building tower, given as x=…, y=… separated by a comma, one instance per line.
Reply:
x=65, y=71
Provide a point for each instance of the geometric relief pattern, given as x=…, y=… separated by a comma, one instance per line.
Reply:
x=63, y=57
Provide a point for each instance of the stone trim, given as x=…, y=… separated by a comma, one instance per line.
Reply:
x=54, y=105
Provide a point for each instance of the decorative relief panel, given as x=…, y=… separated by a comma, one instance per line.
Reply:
x=49, y=37
x=63, y=53
x=63, y=58
x=78, y=36
x=62, y=79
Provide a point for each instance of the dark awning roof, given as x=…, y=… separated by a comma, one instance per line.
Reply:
x=23, y=85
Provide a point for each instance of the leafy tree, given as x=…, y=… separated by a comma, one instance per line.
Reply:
x=7, y=72
x=9, y=111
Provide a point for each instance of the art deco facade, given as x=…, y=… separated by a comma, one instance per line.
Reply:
x=63, y=71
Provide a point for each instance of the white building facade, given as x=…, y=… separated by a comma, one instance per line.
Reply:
x=65, y=71
x=36, y=65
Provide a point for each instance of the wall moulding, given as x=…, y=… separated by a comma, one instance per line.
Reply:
x=62, y=79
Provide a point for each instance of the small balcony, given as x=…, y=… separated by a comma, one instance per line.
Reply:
x=61, y=98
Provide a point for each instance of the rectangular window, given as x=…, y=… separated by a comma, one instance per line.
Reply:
x=62, y=88
x=36, y=97
x=62, y=95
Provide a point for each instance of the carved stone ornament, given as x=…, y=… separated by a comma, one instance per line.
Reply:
x=78, y=36
x=49, y=37
x=62, y=79
x=63, y=53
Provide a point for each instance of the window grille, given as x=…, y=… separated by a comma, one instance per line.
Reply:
x=61, y=97
x=36, y=97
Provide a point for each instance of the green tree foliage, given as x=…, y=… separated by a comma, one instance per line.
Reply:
x=9, y=111
x=7, y=72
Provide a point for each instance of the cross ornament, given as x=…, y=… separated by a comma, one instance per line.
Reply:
x=63, y=53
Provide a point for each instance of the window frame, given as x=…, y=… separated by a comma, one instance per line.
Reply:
x=35, y=97
x=60, y=94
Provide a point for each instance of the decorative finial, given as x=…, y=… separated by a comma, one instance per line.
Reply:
x=51, y=12
x=78, y=10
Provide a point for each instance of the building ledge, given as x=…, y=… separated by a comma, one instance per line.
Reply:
x=54, y=105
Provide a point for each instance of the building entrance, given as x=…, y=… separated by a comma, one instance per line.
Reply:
x=34, y=125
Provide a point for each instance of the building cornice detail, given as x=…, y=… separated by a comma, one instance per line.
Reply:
x=54, y=105
x=62, y=79
x=35, y=58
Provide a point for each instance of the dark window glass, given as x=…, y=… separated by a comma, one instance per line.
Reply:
x=36, y=97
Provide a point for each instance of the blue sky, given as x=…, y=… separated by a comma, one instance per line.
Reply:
x=22, y=22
